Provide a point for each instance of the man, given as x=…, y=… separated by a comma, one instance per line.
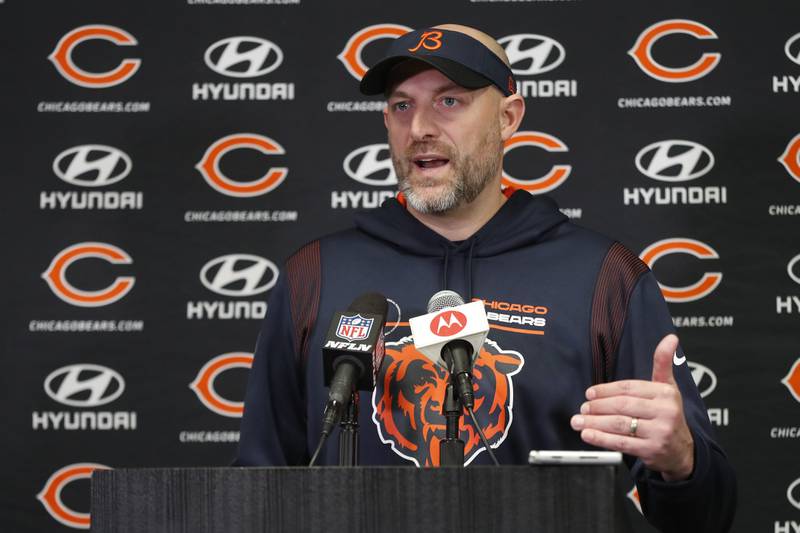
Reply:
x=581, y=350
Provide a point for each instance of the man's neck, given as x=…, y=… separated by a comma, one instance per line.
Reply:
x=464, y=221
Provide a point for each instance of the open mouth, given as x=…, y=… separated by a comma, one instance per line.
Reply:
x=430, y=162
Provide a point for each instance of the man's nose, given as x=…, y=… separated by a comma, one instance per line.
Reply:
x=423, y=124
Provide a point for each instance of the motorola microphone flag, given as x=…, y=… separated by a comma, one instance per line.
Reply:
x=451, y=335
x=433, y=331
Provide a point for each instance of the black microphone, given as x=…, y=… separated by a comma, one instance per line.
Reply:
x=458, y=353
x=352, y=353
x=452, y=334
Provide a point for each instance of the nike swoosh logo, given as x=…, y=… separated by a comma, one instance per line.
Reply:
x=678, y=360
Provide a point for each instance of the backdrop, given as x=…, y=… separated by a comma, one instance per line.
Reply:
x=161, y=160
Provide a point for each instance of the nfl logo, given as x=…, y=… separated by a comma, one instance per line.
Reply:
x=354, y=328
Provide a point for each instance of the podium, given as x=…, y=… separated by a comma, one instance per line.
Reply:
x=357, y=499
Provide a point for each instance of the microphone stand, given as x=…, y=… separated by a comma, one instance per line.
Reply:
x=451, y=448
x=348, y=433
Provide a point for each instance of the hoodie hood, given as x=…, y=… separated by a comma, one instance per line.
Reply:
x=522, y=220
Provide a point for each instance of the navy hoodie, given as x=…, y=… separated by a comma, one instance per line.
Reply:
x=567, y=308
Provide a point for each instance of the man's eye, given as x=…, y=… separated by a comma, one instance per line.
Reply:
x=401, y=106
x=449, y=101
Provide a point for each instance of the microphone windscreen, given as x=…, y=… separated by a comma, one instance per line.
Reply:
x=443, y=300
x=370, y=302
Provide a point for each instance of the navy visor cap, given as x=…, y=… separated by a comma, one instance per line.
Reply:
x=458, y=56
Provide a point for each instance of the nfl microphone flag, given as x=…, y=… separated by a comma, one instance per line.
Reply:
x=356, y=336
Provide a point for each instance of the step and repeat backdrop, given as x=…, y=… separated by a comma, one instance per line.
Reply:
x=161, y=160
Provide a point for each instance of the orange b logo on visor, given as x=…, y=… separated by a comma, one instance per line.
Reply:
x=430, y=40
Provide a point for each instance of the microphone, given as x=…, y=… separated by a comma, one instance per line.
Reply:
x=352, y=353
x=451, y=335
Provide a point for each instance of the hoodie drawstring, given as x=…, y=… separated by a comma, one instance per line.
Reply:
x=446, y=264
x=469, y=270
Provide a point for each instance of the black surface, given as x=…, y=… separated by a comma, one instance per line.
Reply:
x=332, y=499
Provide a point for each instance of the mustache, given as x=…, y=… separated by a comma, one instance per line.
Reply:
x=425, y=147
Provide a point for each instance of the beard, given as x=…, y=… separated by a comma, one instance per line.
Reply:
x=470, y=173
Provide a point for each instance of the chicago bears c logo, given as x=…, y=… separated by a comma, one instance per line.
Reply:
x=790, y=158
x=55, y=275
x=209, y=166
x=351, y=55
x=553, y=179
x=407, y=401
x=50, y=496
x=701, y=250
x=642, y=51
x=203, y=384
x=62, y=56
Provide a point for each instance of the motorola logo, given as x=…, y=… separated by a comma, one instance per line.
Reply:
x=448, y=323
x=84, y=385
x=704, y=378
x=243, y=57
x=371, y=165
x=674, y=160
x=239, y=275
x=531, y=54
x=92, y=165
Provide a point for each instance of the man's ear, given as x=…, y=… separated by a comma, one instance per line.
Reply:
x=512, y=109
x=386, y=117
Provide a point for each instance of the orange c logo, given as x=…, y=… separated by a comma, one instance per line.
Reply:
x=351, y=55
x=642, y=51
x=203, y=384
x=557, y=175
x=696, y=291
x=55, y=275
x=791, y=157
x=433, y=36
x=62, y=57
x=209, y=165
x=792, y=380
x=50, y=496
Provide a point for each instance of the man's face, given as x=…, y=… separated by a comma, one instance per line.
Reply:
x=444, y=139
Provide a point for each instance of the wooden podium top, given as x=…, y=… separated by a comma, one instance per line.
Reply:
x=362, y=499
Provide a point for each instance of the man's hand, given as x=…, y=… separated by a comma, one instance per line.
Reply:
x=642, y=418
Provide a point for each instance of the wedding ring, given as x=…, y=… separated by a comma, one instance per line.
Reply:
x=634, y=426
